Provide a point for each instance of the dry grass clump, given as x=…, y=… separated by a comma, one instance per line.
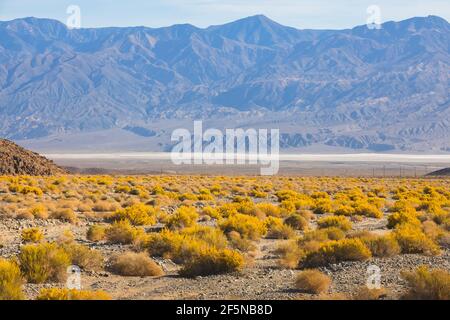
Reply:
x=64, y=214
x=84, y=257
x=96, y=233
x=312, y=281
x=71, y=294
x=43, y=262
x=32, y=235
x=340, y=222
x=135, y=264
x=427, y=284
x=297, y=222
x=290, y=254
x=364, y=293
x=10, y=281
x=337, y=251
x=239, y=243
x=39, y=211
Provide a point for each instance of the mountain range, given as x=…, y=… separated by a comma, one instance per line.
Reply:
x=381, y=89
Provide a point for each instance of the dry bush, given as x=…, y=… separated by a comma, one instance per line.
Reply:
x=297, y=222
x=43, y=262
x=322, y=235
x=337, y=251
x=383, y=246
x=211, y=261
x=32, y=235
x=24, y=215
x=239, y=243
x=135, y=264
x=39, y=211
x=427, y=284
x=290, y=254
x=340, y=222
x=312, y=281
x=10, y=281
x=71, y=294
x=84, y=257
x=96, y=233
x=64, y=214
x=123, y=232
x=337, y=296
x=364, y=293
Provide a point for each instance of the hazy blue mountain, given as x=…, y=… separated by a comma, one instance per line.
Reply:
x=379, y=90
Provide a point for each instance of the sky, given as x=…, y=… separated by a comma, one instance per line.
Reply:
x=313, y=14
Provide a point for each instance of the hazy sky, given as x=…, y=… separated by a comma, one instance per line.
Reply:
x=298, y=13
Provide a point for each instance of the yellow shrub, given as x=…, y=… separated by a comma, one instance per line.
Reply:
x=322, y=206
x=247, y=226
x=71, y=294
x=10, y=281
x=337, y=251
x=183, y=217
x=312, y=281
x=96, y=233
x=210, y=235
x=368, y=210
x=297, y=222
x=412, y=240
x=137, y=214
x=407, y=215
x=269, y=209
x=84, y=257
x=32, y=235
x=382, y=246
x=211, y=261
x=39, y=211
x=211, y=212
x=426, y=284
x=276, y=229
x=43, y=262
x=66, y=215
x=135, y=264
x=335, y=221
x=123, y=232
x=237, y=242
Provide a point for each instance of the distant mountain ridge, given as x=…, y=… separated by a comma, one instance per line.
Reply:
x=355, y=89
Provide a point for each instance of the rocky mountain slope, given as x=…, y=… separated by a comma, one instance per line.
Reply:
x=15, y=160
x=377, y=90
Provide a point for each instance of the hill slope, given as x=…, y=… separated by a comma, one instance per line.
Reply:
x=15, y=160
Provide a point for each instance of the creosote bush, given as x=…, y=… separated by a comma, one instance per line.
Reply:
x=135, y=264
x=312, y=281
